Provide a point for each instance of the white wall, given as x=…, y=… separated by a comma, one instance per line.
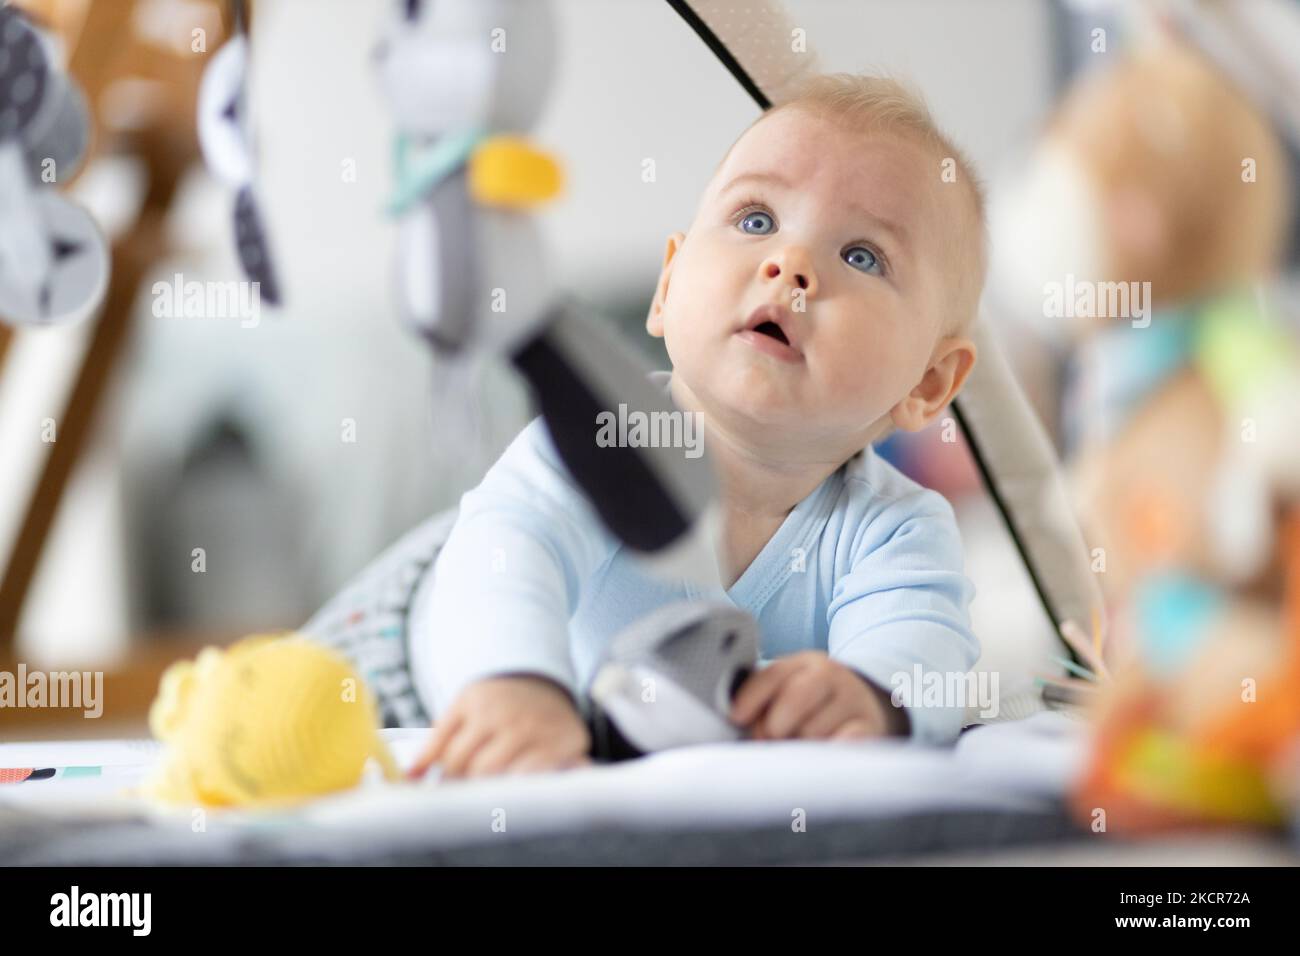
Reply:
x=634, y=82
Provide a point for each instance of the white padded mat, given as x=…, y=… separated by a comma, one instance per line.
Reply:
x=1022, y=766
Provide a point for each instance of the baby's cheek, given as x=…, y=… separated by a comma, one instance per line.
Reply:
x=687, y=348
x=861, y=380
x=855, y=393
x=686, y=327
x=704, y=286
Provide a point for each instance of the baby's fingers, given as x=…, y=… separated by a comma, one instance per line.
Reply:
x=758, y=690
x=551, y=752
x=540, y=760
x=461, y=749
x=857, y=728
x=825, y=721
x=432, y=753
x=495, y=756
x=799, y=699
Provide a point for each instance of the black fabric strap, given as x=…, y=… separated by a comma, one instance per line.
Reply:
x=626, y=493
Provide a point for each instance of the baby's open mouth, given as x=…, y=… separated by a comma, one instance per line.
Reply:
x=772, y=329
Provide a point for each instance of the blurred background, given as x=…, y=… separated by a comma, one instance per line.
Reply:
x=209, y=434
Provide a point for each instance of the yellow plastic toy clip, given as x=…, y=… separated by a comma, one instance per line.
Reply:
x=506, y=171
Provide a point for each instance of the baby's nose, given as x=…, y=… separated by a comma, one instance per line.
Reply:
x=774, y=270
x=794, y=264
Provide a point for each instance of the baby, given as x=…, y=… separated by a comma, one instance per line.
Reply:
x=819, y=299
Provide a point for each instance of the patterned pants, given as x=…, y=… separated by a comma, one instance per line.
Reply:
x=368, y=621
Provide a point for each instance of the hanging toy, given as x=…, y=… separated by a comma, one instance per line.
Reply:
x=465, y=80
x=54, y=261
x=270, y=721
x=1196, y=732
x=226, y=139
x=668, y=680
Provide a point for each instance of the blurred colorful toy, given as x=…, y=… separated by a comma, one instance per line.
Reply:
x=1146, y=239
x=1162, y=189
x=1200, y=729
x=270, y=721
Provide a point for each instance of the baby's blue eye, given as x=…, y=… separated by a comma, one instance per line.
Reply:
x=757, y=224
x=862, y=259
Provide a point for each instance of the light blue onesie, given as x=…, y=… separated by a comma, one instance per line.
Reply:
x=868, y=567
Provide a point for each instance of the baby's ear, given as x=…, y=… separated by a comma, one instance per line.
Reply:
x=654, y=323
x=951, y=363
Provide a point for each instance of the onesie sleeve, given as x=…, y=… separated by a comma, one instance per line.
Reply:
x=900, y=617
x=509, y=576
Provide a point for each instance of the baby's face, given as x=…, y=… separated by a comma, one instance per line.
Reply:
x=841, y=235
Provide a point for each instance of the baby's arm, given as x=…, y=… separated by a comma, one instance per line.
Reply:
x=904, y=605
x=492, y=636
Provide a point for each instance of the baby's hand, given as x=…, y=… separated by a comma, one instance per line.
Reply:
x=808, y=695
x=517, y=724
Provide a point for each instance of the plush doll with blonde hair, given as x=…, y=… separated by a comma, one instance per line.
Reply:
x=1151, y=225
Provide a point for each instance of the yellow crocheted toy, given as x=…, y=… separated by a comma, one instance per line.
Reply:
x=269, y=721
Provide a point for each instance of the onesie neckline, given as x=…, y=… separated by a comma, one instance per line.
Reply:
x=770, y=569
x=775, y=562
